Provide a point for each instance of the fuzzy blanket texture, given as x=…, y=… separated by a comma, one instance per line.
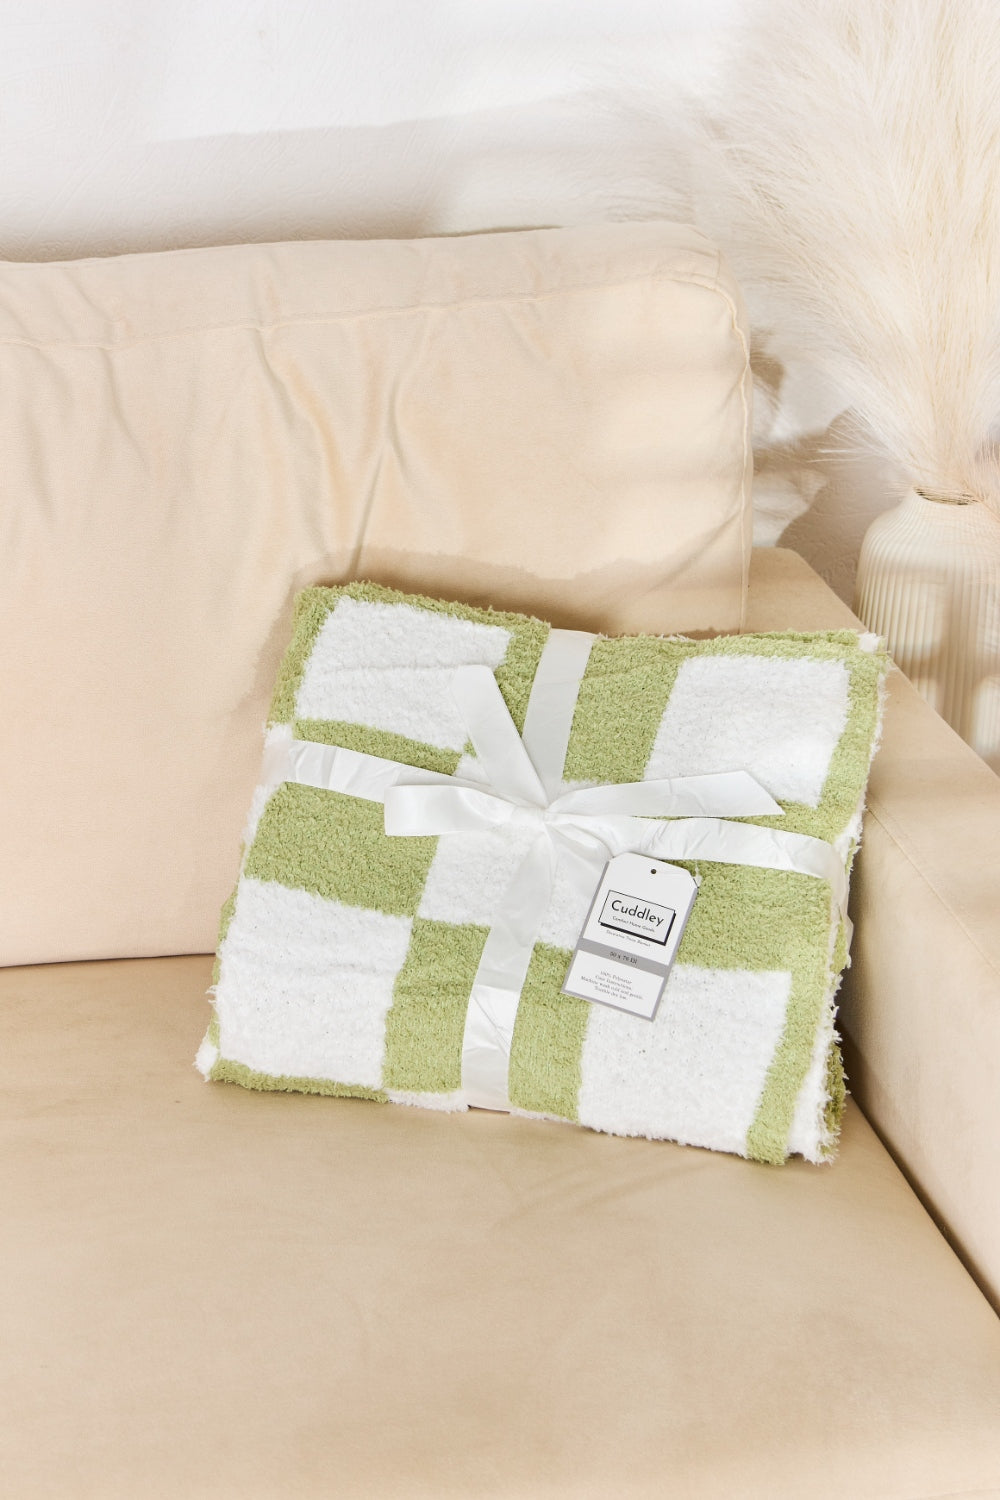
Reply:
x=347, y=956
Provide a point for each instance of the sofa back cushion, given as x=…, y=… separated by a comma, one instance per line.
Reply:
x=553, y=421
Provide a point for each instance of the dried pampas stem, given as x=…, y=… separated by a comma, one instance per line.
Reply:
x=860, y=150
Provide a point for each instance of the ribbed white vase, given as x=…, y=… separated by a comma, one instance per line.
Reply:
x=929, y=582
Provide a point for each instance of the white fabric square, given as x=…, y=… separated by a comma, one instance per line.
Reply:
x=696, y=1072
x=778, y=718
x=573, y=891
x=306, y=984
x=389, y=666
x=470, y=872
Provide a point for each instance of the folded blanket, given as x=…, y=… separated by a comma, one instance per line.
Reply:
x=347, y=956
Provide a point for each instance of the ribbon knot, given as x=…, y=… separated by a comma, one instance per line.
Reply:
x=576, y=833
x=528, y=817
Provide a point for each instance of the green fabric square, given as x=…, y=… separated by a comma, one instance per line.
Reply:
x=548, y=1038
x=424, y=1028
x=226, y=1071
x=336, y=847
x=619, y=707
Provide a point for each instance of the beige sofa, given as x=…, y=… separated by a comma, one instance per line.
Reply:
x=212, y=1293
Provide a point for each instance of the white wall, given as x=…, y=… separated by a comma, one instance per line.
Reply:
x=137, y=124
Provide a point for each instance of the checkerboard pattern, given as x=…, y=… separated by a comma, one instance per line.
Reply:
x=347, y=957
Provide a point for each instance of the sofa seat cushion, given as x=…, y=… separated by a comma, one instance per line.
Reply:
x=214, y=1293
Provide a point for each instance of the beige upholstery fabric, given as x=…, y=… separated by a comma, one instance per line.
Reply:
x=553, y=421
x=223, y=1295
x=921, y=1004
x=220, y=1295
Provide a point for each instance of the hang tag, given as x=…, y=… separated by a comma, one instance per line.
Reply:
x=630, y=938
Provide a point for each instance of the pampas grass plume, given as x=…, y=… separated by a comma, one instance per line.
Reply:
x=859, y=146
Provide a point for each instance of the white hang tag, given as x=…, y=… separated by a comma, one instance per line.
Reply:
x=634, y=927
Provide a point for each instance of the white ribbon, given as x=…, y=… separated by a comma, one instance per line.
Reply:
x=580, y=830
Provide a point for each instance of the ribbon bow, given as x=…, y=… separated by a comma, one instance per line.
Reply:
x=576, y=831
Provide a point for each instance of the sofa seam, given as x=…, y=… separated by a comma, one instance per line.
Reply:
x=898, y=843
x=253, y=325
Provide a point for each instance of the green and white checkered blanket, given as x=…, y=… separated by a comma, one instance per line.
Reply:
x=347, y=956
